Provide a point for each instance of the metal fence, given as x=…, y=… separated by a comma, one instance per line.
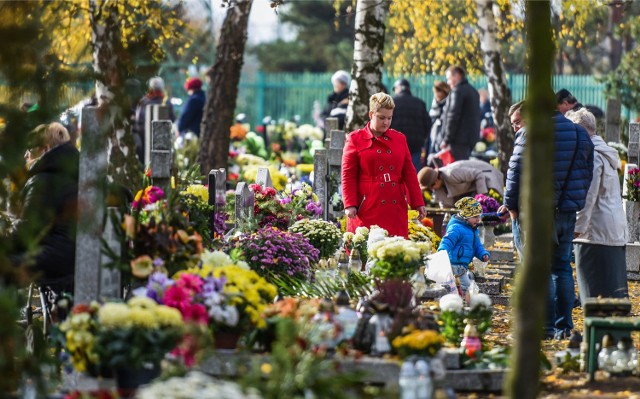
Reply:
x=286, y=95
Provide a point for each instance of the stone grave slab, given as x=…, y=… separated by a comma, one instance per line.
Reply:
x=476, y=380
x=500, y=299
x=497, y=255
x=633, y=257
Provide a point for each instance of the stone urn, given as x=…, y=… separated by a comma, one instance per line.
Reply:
x=486, y=236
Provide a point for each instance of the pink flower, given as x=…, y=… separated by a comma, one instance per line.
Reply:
x=148, y=196
x=269, y=192
x=190, y=282
x=177, y=297
x=196, y=313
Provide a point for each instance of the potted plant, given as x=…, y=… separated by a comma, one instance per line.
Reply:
x=129, y=338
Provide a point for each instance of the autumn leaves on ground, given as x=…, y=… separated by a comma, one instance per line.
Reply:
x=556, y=383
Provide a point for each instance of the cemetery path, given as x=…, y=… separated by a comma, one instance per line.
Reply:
x=557, y=384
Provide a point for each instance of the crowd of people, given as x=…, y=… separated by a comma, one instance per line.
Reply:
x=382, y=175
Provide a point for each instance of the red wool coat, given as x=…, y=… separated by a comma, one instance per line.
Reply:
x=376, y=175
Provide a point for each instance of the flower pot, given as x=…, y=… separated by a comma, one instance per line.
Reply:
x=129, y=379
x=486, y=236
x=226, y=340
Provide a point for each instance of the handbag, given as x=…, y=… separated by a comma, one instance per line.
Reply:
x=554, y=232
x=445, y=157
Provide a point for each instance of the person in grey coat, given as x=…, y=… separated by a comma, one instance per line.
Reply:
x=460, y=179
x=600, y=235
x=461, y=115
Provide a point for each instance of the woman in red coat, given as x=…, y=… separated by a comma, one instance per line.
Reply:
x=377, y=173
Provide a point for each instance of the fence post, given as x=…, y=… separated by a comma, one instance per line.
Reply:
x=260, y=91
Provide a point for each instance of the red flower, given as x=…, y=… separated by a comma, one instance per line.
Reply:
x=81, y=308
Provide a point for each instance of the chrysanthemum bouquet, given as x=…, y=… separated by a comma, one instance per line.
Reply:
x=195, y=201
x=418, y=342
x=489, y=205
x=396, y=257
x=633, y=185
x=226, y=298
x=273, y=252
x=357, y=240
x=121, y=334
x=323, y=235
x=453, y=315
x=419, y=232
x=268, y=209
x=301, y=202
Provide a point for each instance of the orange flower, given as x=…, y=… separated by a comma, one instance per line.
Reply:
x=428, y=222
x=290, y=162
x=238, y=132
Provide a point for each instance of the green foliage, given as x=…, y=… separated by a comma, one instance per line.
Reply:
x=132, y=347
x=569, y=363
x=294, y=372
x=496, y=358
x=451, y=326
x=624, y=82
x=324, y=42
x=356, y=285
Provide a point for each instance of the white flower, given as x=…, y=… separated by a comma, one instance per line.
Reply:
x=216, y=258
x=451, y=303
x=478, y=300
x=362, y=230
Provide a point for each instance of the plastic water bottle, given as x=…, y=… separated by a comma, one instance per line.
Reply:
x=408, y=381
x=424, y=386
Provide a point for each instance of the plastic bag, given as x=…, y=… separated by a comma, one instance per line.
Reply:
x=439, y=270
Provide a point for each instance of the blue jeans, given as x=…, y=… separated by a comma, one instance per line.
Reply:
x=561, y=285
x=462, y=272
x=518, y=237
x=415, y=158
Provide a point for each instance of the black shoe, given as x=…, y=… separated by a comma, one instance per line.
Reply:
x=574, y=340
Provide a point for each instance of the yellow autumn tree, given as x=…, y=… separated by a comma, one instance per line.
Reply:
x=430, y=35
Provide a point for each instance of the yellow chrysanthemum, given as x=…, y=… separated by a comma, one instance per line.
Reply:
x=168, y=316
x=114, y=315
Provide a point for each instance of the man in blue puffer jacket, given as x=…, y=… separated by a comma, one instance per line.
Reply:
x=462, y=241
x=572, y=177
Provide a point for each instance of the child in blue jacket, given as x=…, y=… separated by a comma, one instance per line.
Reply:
x=462, y=241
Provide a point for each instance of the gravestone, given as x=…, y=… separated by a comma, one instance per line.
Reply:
x=245, y=201
x=334, y=170
x=612, y=127
x=320, y=181
x=634, y=143
x=217, y=193
x=92, y=282
x=152, y=113
x=631, y=208
x=160, y=153
x=331, y=124
x=263, y=178
x=110, y=284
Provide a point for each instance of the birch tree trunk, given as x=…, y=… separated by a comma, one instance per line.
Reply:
x=497, y=81
x=124, y=167
x=223, y=87
x=366, y=72
x=536, y=202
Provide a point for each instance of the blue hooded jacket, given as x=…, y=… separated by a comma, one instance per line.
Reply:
x=462, y=242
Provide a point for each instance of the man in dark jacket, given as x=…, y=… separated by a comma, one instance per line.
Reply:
x=338, y=100
x=46, y=227
x=461, y=119
x=411, y=118
x=572, y=173
x=191, y=115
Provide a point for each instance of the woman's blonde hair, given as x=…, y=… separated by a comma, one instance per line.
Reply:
x=583, y=118
x=381, y=100
x=50, y=135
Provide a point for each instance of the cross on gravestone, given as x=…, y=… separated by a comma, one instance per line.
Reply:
x=320, y=173
x=631, y=208
x=331, y=124
x=334, y=169
x=153, y=112
x=612, y=126
x=91, y=281
x=217, y=193
x=245, y=201
x=633, y=148
x=161, y=157
x=263, y=178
